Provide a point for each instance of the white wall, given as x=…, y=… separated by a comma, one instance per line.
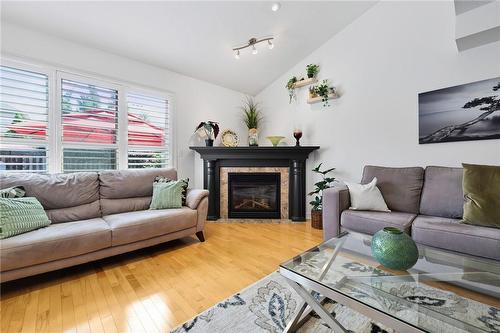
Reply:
x=194, y=100
x=380, y=63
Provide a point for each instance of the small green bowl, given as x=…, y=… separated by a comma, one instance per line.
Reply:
x=275, y=139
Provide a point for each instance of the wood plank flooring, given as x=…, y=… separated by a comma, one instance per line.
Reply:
x=155, y=289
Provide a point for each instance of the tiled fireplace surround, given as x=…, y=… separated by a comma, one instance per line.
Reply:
x=224, y=171
x=289, y=161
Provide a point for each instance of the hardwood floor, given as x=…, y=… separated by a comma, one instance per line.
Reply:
x=155, y=289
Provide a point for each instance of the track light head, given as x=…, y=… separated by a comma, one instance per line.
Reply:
x=270, y=44
x=237, y=54
x=254, y=50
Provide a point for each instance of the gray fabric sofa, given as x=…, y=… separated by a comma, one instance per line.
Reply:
x=95, y=215
x=425, y=203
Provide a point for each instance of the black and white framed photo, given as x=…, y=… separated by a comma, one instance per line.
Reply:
x=461, y=113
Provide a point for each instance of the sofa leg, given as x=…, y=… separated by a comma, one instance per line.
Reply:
x=200, y=236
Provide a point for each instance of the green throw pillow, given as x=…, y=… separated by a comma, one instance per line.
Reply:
x=161, y=179
x=12, y=192
x=481, y=186
x=20, y=215
x=167, y=195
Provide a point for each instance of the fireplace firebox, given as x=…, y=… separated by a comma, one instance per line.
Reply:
x=254, y=195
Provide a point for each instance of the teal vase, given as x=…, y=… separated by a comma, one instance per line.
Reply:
x=394, y=249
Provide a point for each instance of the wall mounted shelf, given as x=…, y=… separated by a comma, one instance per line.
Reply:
x=305, y=82
x=312, y=100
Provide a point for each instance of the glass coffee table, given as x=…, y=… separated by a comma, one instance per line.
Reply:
x=443, y=292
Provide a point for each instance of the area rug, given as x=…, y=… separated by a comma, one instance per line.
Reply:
x=269, y=304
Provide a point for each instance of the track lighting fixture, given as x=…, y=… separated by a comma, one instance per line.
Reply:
x=252, y=43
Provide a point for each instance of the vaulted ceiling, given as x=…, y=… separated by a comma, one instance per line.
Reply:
x=194, y=38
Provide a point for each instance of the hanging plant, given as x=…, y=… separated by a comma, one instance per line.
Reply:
x=290, y=86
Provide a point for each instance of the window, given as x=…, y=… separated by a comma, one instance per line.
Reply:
x=147, y=131
x=53, y=121
x=24, y=107
x=89, y=118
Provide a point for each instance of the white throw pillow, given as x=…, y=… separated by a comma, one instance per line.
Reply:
x=366, y=197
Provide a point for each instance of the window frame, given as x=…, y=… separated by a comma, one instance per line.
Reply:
x=170, y=117
x=54, y=143
x=48, y=143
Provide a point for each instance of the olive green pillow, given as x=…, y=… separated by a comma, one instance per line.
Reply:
x=481, y=186
x=20, y=215
x=167, y=195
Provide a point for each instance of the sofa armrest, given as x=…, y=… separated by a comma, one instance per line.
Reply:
x=194, y=197
x=335, y=201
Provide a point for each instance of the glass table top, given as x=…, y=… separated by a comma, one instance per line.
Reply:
x=443, y=292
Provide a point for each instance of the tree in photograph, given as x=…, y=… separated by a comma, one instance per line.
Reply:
x=488, y=104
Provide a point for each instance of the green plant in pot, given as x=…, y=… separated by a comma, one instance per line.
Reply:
x=252, y=116
x=290, y=86
x=317, y=193
x=312, y=70
x=211, y=130
x=323, y=90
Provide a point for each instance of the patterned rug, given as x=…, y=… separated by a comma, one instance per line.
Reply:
x=269, y=304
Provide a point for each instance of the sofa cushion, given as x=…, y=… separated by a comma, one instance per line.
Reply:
x=442, y=194
x=116, y=206
x=369, y=222
x=400, y=187
x=452, y=235
x=54, y=242
x=60, y=191
x=130, y=183
x=481, y=187
x=139, y=225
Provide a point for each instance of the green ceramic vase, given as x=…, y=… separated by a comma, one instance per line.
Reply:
x=394, y=249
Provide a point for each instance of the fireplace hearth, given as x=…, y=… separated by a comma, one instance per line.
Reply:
x=254, y=195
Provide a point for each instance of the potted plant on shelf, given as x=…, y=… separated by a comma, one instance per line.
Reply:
x=312, y=70
x=317, y=203
x=252, y=117
x=211, y=129
x=324, y=90
x=290, y=86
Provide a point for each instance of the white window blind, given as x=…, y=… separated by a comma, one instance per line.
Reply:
x=24, y=107
x=148, y=131
x=89, y=126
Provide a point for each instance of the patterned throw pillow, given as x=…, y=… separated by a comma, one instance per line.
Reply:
x=20, y=215
x=185, y=182
x=167, y=195
x=12, y=192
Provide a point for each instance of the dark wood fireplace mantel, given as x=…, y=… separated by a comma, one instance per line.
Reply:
x=286, y=156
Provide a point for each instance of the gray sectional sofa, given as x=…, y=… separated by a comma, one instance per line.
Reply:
x=425, y=203
x=95, y=215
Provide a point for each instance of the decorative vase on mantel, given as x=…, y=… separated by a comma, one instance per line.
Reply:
x=394, y=249
x=253, y=137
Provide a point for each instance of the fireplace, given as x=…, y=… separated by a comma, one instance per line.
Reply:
x=254, y=195
x=290, y=162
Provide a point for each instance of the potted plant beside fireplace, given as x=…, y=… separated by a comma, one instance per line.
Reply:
x=317, y=202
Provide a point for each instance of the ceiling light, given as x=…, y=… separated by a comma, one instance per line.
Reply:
x=251, y=43
x=276, y=6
